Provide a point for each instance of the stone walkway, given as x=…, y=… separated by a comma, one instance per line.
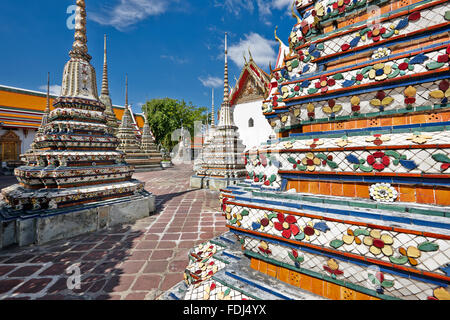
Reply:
x=138, y=261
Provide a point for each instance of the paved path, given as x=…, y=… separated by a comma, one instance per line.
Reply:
x=138, y=261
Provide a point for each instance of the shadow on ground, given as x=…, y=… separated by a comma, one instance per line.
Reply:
x=40, y=272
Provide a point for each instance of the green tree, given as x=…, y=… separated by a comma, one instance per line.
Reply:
x=167, y=115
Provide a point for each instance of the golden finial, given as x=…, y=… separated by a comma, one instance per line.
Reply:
x=250, y=53
x=276, y=37
x=294, y=14
x=245, y=59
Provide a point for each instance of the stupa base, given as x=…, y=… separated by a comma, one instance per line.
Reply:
x=167, y=164
x=150, y=167
x=50, y=225
x=215, y=184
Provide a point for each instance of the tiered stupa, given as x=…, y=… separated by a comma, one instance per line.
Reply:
x=351, y=201
x=148, y=144
x=105, y=98
x=142, y=159
x=74, y=180
x=223, y=157
x=207, y=136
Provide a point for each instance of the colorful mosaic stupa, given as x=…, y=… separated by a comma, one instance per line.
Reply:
x=74, y=179
x=352, y=200
x=223, y=165
x=141, y=153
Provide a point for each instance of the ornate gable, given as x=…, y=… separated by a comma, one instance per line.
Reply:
x=252, y=85
x=249, y=92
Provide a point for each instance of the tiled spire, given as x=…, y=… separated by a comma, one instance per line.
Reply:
x=213, y=112
x=79, y=78
x=226, y=118
x=126, y=118
x=126, y=91
x=79, y=47
x=105, y=97
x=105, y=85
x=47, y=108
x=226, y=92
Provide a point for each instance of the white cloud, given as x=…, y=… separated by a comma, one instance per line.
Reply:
x=281, y=4
x=174, y=59
x=129, y=12
x=211, y=82
x=54, y=89
x=262, y=50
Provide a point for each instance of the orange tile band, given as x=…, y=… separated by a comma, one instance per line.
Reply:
x=419, y=194
x=429, y=117
x=317, y=286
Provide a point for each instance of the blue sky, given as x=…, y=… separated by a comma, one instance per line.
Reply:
x=169, y=48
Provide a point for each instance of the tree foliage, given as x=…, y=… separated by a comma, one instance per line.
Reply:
x=167, y=115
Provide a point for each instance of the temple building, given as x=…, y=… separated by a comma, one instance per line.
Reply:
x=351, y=200
x=140, y=152
x=252, y=88
x=74, y=180
x=223, y=157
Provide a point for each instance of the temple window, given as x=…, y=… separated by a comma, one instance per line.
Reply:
x=251, y=123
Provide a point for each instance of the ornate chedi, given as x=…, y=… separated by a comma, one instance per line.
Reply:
x=44, y=120
x=73, y=165
x=142, y=159
x=207, y=136
x=148, y=144
x=223, y=165
x=351, y=201
x=105, y=98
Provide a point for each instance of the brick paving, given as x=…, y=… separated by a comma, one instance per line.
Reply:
x=138, y=261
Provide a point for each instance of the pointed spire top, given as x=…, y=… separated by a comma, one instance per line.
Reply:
x=225, y=83
x=105, y=85
x=79, y=47
x=145, y=118
x=213, y=120
x=47, y=108
x=226, y=118
x=126, y=90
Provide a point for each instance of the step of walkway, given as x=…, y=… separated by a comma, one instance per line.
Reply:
x=239, y=278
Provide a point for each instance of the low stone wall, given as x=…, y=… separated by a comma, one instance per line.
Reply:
x=66, y=224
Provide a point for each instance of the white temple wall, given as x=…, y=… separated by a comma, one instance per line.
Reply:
x=261, y=130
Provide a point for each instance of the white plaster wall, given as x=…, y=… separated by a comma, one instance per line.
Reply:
x=261, y=131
